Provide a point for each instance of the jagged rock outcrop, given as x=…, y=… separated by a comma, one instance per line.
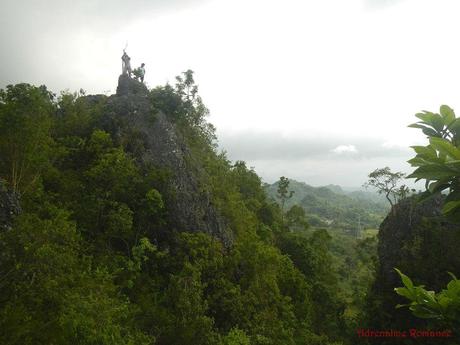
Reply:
x=422, y=243
x=129, y=86
x=9, y=207
x=401, y=227
x=129, y=113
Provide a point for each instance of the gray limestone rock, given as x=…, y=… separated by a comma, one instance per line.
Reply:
x=401, y=227
x=423, y=244
x=189, y=205
x=130, y=86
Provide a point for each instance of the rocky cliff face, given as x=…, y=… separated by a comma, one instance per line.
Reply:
x=190, y=208
x=417, y=239
x=400, y=229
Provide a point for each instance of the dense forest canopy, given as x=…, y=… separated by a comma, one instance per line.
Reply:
x=122, y=223
x=95, y=258
x=332, y=207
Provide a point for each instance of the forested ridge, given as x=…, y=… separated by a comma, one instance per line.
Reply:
x=122, y=223
x=330, y=206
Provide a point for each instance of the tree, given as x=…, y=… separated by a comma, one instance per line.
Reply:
x=283, y=194
x=311, y=255
x=194, y=109
x=186, y=87
x=92, y=258
x=236, y=337
x=166, y=99
x=25, y=141
x=387, y=183
x=296, y=218
x=52, y=294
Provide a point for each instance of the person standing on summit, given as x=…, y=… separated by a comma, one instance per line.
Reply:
x=139, y=73
x=126, y=64
x=142, y=72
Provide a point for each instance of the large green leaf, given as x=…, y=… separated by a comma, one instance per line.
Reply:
x=445, y=147
x=431, y=119
x=447, y=113
x=430, y=132
x=438, y=186
x=455, y=126
x=405, y=279
x=417, y=161
x=438, y=122
x=454, y=165
x=425, y=152
x=405, y=293
x=428, y=298
x=423, y=312
x=432, y=172
x=426, y=117
x=426, y=195
x=452, y=210
x=418, y=125
x=453, y=196
x=453, y=277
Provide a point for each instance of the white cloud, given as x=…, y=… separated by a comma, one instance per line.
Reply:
x=345, y=149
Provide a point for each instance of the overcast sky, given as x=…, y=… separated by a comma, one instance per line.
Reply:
x=320, y=91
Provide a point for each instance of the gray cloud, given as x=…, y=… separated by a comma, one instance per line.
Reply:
x=313, y=160
x=47, y=42
x=348, y=173
x=41, y=15
x=38, y=38
x=274, y=146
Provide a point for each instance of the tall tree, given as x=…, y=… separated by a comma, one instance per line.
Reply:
x=25, y=141
x=194, y=111
x=388, y=183
x=296, y=219
x=284, y=194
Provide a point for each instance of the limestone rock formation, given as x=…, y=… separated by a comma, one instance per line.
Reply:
x=401, y=227
x=422, y=243
x=129, y=86
x=190, y=208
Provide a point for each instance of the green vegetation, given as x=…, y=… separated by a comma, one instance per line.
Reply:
x=443, y=306
x=388, y=183
x=96, y=255
x=94, y=259
x=352, y=260
x=330, y=207
x=438, y=163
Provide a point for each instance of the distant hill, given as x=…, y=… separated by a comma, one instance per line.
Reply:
x=357, y=193
x=335, y=206
x=335, y=188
